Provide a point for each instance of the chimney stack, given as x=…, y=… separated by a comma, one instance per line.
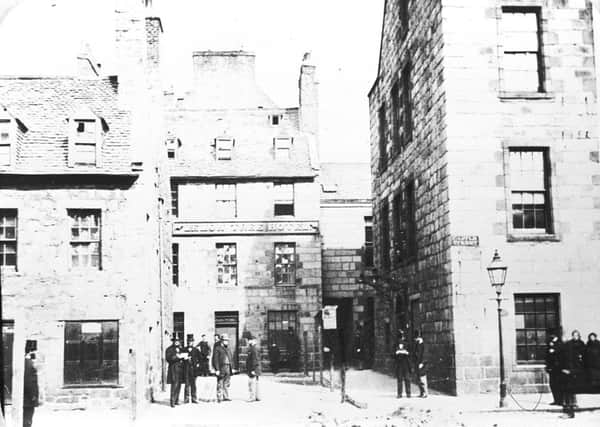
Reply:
x=308, y=97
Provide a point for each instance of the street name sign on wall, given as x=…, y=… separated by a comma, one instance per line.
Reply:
x=472, y=241
x=231, y=228
x=330, y=317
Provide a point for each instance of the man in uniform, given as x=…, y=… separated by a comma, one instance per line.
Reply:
x=222, y=361
x=403, y=370
x=204, y=347
x=553, y=359
x=174, y=358
x=253, y=369
x=191, y=369
x=420, y=363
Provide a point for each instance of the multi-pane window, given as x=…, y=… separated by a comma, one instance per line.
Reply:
x=5, y=143
x=282, y=148
x=398, y=230
x=179, y=325
x=403, y=15
x=278, y=324
x=85, y=142
x=535, y=315
x=85, y=238
x=285, y=263
x=226, y=204
x=174, y=199
x=224, y=148
x=175, y=263
x=91, y=353
x=226, y=264
x=529, y=182
x=8, y=237
x=382, y=119
x=368, y=257
x=284, y=199
x=411, y=219
x=406, y=119
x=384, y=230
x=522, y=59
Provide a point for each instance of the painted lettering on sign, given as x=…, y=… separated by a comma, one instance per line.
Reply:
x=240, y=228
x=472, y=241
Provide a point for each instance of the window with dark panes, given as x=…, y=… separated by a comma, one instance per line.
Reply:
x=398, y=228
x=91, y=353
x=284, y=199
x=85, y=238
x=396, y=119
x=179, y=325
x=8, y=237
x=278, y=323
x=406, y=133
x=383, y=158
x=175, y=263
x=522, y=59
x=368, y=257
x=535, y=315
x=411, y=219
x=174, y=199
x=227, y=264
x=226, y=200
x=285, y=263
x=529, y=182
x=384, y=230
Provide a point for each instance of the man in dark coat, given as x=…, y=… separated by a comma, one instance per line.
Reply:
x=191, y=369
x=30, y=390
x=293, y=350
x=222, y=362
x=253, y=369
x=553, y=350
x=420, y=363
x=403, y=369
x=592, y=360
x=174, y=358
x=204, y=347
x=274, y=356
x=358, y=350
x=572, y=368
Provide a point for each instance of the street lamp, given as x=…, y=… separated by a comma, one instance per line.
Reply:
x=497, y=272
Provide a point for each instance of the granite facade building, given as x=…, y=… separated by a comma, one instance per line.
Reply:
x=78, y=247
x=244, y=220
x=485, y=136
x=347, y=230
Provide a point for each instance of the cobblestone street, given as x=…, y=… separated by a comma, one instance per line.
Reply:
x=287, y=402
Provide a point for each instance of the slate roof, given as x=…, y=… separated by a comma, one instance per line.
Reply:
x=44, y=106
x=345, y=182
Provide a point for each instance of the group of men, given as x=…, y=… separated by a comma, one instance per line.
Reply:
x=410, y=358
x=189, y=362
x=572, y=366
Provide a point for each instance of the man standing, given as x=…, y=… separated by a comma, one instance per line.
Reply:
x=572, y=368
x=403, y=370
x=274, y=356
x=191, y=370
x=420, y=364
x=293, y=350
x=254, y=369
x=30, y=389
x=204, y=356
x=553, y=350
x=222, y=361
x=174, y=358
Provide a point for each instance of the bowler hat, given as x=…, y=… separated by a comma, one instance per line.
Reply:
x=224, y=337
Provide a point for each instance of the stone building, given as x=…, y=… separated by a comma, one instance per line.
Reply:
x=78, y=251
x=244, y=221
x=347, y=232
x=484, y=136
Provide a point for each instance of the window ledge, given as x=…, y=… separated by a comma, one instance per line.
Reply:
x=284, y=285
x=80, y=386
x=524, y=366
x=512, y=95
x=533, y=238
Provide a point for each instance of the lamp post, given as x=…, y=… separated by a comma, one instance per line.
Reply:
x=497, y=272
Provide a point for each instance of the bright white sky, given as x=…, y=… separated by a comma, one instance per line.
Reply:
x=40, y=37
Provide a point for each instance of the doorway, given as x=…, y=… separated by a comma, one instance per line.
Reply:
x=8, y=328
x=283, y=331
x=228, y=322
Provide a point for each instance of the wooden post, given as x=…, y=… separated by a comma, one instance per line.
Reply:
x=305, y=338
x=320, y=347
x=343, y=381
x=18, y=378
x=314, y=359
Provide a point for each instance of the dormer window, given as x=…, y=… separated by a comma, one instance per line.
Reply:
x=85, y=139
x=275, y=119
x=282, y=148
x=224, y=148
x=5, y=142
x=173, y=144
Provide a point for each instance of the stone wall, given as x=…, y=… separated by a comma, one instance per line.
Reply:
x=425, y=278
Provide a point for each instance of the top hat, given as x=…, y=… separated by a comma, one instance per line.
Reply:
x=224, y=337
x=176, y=336
x=30, y=345
x=190, y=337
